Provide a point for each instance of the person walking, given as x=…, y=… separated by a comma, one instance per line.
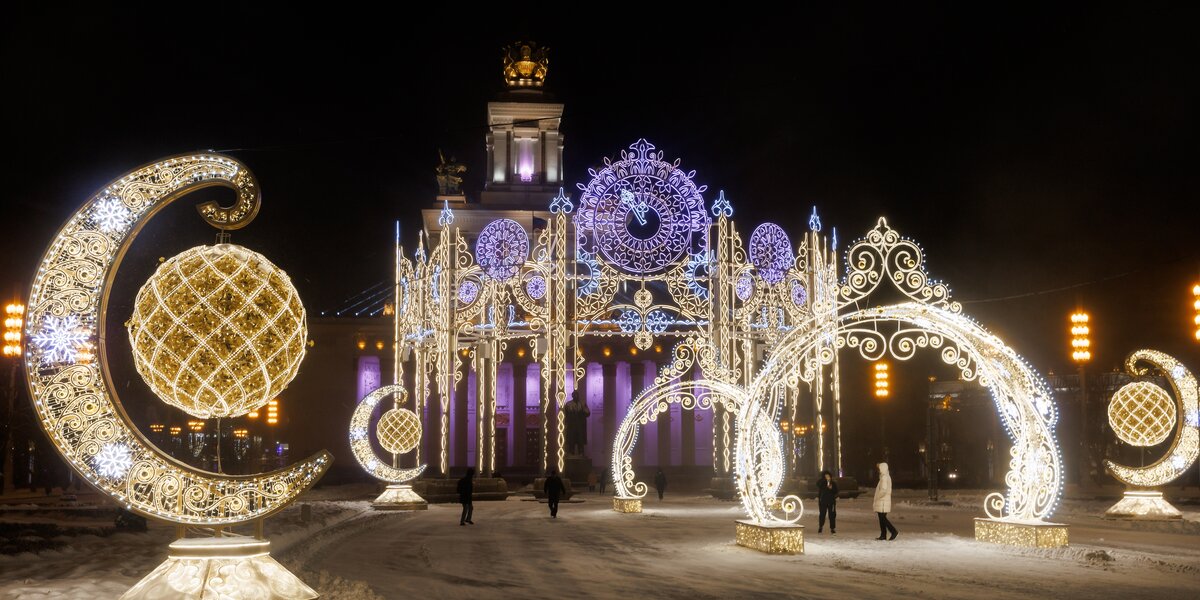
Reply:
x=603, y=479
x=883, y=503
x=591, y=479
x=827, y=493
x=554, y=489
x=466, y=489
x=660, y=483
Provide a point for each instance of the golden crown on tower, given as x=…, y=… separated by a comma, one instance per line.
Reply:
x=525, y=64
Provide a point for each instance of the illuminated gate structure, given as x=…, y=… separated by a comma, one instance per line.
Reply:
x=640, y=255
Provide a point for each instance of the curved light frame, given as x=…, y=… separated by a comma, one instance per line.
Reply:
x=1022, y=398
x=77, y=404
x=360, y=443
x=1185, y=445
x=759, y=459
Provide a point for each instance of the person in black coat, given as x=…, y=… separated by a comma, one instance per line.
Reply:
x=827, y=493
x=660, y=483
x=554, y=489
x=466, y=489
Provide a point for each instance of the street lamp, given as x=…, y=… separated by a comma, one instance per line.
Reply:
x=14, y=318
x=1196, y=306
x=1081, y=353
x=882, y=392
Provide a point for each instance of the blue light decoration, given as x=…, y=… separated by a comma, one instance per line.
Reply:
x=697, y=270
x=722, y=207
x=814, y=221
x=745, y=287
x=833, y=244
x=771, y=252
x=561, y=203
x=591, y=282
x=502, y=248
x=657, y=321
x=446, y=217
x=642, y=213
x=629, y=321
x=536, y=287
x=468, y=291
x=799, y=293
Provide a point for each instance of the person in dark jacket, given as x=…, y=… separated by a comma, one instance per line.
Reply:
x=466, y=489
x=660, y=483
x=554, y=489
x=827, y=493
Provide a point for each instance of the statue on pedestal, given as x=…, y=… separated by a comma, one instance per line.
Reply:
x=449, y=176
x=576, y=413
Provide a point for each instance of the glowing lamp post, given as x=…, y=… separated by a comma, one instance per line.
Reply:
x=1196, y=307
x=13, y=320
x=1081, y=353
x=882, y=391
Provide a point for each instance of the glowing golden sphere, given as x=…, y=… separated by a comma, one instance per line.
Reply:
x=399, y=430
x=217, y=331
x=1142, y=414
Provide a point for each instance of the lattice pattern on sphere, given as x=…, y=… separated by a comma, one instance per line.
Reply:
x=1142, y=414
x=218, y=331
x=399, y=430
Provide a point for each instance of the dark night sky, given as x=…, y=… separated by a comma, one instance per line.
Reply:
x=1026, y=151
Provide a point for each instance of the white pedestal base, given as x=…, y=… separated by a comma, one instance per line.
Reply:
x=224, y=567
x=399, y=497
x=1143, y=505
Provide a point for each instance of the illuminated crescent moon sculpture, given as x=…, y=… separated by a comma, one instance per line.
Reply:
x=1142, y=413
x=80, y=410
x=400, y=435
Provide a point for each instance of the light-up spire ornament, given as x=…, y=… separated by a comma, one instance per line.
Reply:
x=446, y=217
x=561, y=203
x=721, y=207
x=814, y=221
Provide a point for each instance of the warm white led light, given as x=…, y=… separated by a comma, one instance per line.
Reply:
x=218, y=331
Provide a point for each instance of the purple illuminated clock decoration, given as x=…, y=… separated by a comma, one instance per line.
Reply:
x=641, y=213
x=468, y=291
x=799, y=293
x=771, y=252
x=502, y=248
x=536, y=287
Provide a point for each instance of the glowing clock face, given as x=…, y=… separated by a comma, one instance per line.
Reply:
x=642, y=214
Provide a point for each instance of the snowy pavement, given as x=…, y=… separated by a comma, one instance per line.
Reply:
x=680, y=548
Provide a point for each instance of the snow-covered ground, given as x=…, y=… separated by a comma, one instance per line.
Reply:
x=680, y=548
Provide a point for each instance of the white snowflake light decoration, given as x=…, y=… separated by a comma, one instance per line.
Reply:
x=61, y=338
x=113, y=461
x=111, y=215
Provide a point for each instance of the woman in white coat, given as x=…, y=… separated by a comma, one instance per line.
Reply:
x=883, y=503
